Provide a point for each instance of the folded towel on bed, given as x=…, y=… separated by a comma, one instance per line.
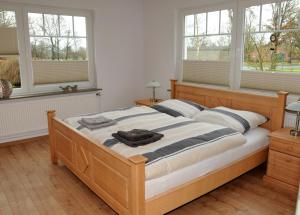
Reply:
x=95, y=121
x=136, y=134
x=97, y=126
x=154, y=138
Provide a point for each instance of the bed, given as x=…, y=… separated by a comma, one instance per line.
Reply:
x=121, y=182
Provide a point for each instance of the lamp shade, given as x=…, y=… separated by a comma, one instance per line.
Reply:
x=293, y=107
x=153, y=84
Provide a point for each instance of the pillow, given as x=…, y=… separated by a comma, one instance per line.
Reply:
x=176, y=107
x=239, y=120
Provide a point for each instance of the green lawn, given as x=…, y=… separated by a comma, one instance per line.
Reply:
x=283, y=67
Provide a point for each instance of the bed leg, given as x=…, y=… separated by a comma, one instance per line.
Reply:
x=51, y=115
x=137, y=188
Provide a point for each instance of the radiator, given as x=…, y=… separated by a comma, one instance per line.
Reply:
x=26, y=118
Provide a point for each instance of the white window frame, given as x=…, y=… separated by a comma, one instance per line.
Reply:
x=26, y=70
x=21, y=46
x=237, y=42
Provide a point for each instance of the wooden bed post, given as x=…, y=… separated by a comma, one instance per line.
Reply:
x=137, y=185
x=51, y=115
x=173, y=88
x=282, y=103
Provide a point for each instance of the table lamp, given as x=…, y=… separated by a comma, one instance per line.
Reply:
x=153, y=85
x=294, y=108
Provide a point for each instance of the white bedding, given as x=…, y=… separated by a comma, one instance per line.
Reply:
x=185, y=141
x=256, y=138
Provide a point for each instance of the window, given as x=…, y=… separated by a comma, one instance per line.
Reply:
x=271, y=37
x=207, y=44
x=9, y=52
x=58, y=43
x=271, y=46
x=208, y=36
x=249, y=44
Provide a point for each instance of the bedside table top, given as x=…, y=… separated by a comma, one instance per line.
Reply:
x=147, y=102
x=284, y=134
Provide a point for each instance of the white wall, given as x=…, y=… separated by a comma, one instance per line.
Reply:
x=118, y=35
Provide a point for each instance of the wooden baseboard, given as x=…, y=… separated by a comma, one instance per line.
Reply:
x=24, y=141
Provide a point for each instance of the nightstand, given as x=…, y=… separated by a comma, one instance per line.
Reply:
x=147, y=102
x=283, y=169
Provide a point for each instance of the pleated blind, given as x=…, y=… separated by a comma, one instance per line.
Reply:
x=8, y=41
x=271, y=81
x=206, y=72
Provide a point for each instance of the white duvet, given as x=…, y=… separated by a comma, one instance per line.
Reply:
x=185, y=141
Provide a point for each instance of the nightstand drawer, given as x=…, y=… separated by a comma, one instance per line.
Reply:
x=289, y=148
x=284, y=167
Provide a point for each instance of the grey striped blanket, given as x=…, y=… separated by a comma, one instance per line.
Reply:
x=185, y=141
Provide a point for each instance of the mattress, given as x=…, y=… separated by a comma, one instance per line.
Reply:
x=256, y=139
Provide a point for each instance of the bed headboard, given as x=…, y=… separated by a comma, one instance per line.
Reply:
x=272, y=107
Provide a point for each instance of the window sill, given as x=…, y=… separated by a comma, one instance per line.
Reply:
x=46, y=94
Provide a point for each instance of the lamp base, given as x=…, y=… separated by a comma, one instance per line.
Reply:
x=295, y=133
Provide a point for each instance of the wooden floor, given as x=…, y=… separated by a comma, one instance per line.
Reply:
x=31, y=185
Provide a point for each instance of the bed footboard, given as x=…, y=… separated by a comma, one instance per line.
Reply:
x=119, y=181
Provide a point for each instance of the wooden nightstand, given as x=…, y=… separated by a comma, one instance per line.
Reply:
x=147, y=102
x=283, y=169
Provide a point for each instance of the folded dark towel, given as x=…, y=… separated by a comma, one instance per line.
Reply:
x=95, y=120
x=136, y=134
x=154, y=138
x=97, y=126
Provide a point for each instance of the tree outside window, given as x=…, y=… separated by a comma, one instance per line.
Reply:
x=272, y=37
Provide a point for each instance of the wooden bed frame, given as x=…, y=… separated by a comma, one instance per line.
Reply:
x=120, y=181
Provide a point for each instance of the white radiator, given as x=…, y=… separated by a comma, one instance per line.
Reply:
x=27, y=118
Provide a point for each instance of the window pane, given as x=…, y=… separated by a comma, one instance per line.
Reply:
x=80, y=49
x=79, y=26
x=66, y=26
x=35, y=21
x=7, y=19
x=200, y=25
x=213, y=22
x=226, y=21
x=282, y=54
x=256, y=51
x=10, y=70
x=252, y=17
x=9, y=53
x=41, y=48
x=260, y=54
x=66, y=48
x=208, y=48
x=270, y=17
x=189, y=25
x=291, y=10
x=51, y=25
x=73, y=49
